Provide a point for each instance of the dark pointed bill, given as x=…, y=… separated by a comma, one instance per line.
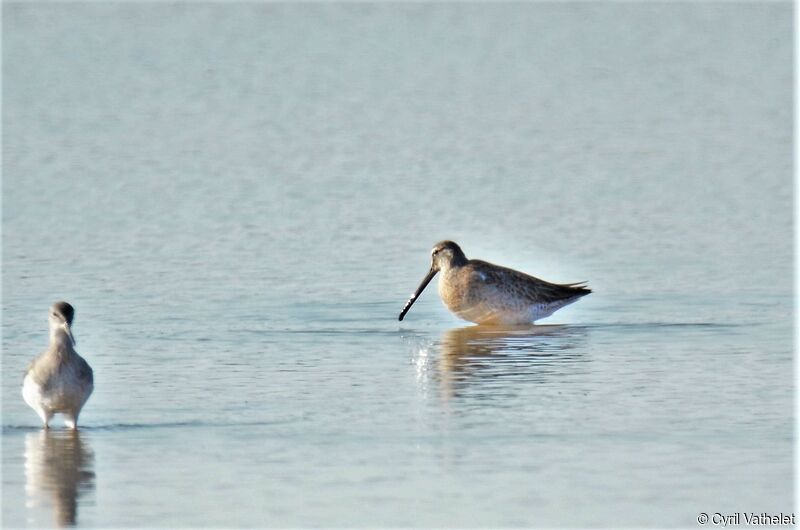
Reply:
x=68, y=329
x=425, y=281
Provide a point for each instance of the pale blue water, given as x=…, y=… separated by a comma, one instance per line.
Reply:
x=238, y=199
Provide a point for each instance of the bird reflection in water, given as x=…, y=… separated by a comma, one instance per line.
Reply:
x=59, y=469
x=492, y=354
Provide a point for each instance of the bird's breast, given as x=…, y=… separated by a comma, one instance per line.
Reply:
x=452, y=290
x=56, y=387
x=463, y=292
x=468, y=293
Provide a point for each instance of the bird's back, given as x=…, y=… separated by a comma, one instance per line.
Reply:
x=526, y=287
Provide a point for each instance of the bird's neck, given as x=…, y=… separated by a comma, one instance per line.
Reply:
x=459, y=259
x=60, y=341
x=447, y=273
x=454, y=264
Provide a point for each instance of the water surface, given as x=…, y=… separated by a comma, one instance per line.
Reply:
x=238, y=199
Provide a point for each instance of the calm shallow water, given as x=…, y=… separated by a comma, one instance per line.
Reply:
x=238, y=198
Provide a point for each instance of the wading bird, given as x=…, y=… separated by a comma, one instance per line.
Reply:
x=485, y=293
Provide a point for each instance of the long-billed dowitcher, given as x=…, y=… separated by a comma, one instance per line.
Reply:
x=58, y=380
x=485, y=293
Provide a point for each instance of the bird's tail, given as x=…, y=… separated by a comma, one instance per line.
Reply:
x=578, y=288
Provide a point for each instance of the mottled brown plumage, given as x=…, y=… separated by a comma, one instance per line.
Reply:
x=485, y=293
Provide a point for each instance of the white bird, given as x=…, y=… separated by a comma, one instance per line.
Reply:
x=59, y=380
